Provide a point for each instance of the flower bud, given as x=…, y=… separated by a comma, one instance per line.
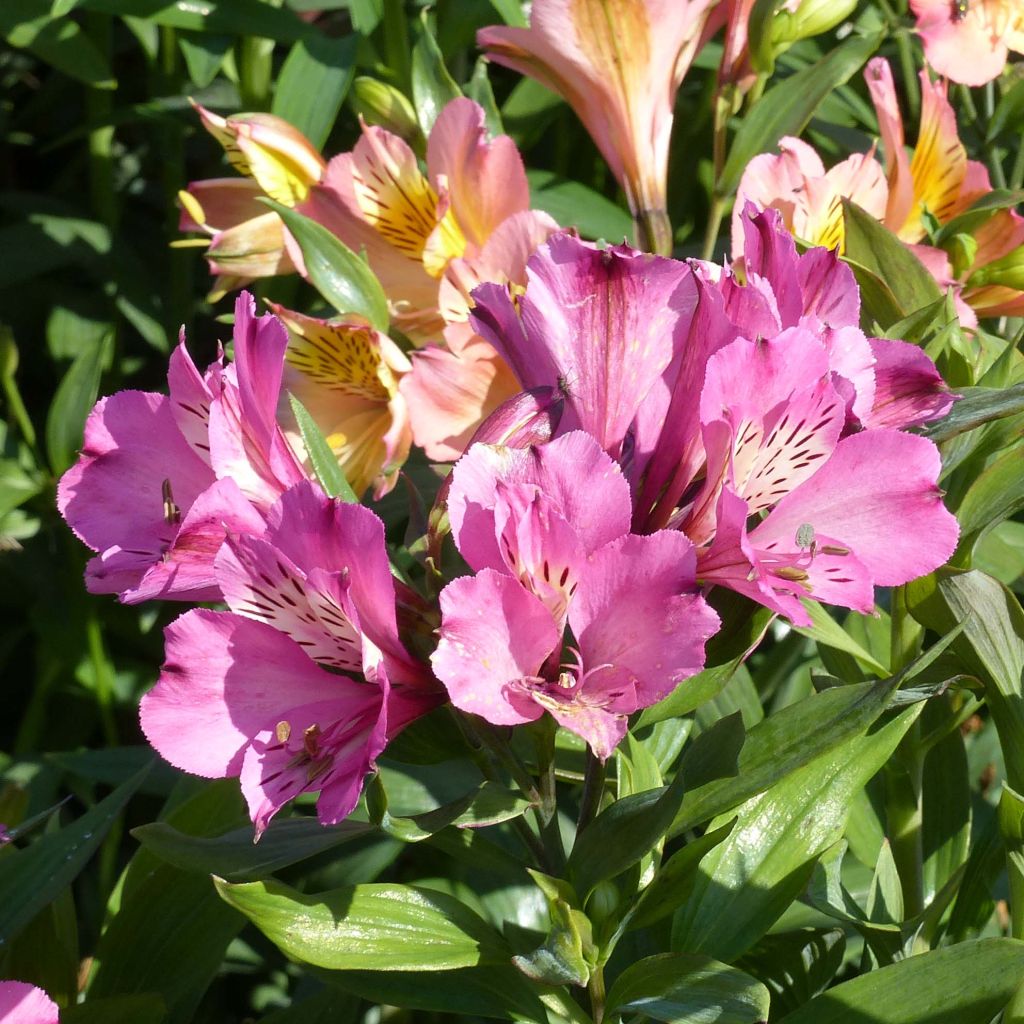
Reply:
x=775, y=25
x=382, y=104
x=531, y=417
x=269, y=149
x=254, y=248
x=1007, y=272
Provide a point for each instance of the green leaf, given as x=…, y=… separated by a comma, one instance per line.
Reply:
x=796, y=965
x=690, y=694
x=511, y=12
x=786, y=741
x=673, y=884
x=55, y=39
x=204, y=54
x=825, y=630
x=978, y=213
x=372, y=927
x=340, y=276
x=478, y=89
x=75, y=397
x=432, y=85
x=994, y=495
x=313, y=83
x=325, y=463
x=575, y=205
x=234, y=856
x=224, y=17
x=33, y=877
x=179, y=958
x=787, y=108
x=624, y=832
x=964, y=984
x=749, y=879
x=976, y=407
x=684, y=989
x=500, y=992
x=878, y=303
x=871, y=245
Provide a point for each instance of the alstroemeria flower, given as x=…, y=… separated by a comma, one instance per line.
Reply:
x=411, y=224
x=347, y=375
x=809, y=198
x=21, y=1003
x=299, y=686
x=246, y=240
x=453, y=387
x=603, y=325
x=619, y=65
x=939, y=178
x=568, y=612
x=162, y=477
x=969, y=42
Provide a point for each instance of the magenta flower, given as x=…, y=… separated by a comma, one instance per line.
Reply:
x=21, y=1003
x=300, y=685
x=568, y=612
x=161, y=478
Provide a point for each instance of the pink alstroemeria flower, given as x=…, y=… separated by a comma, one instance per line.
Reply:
x=619, y=65
x=969, y=42
x=21, y=1003
x=844, y=513
x=568, y=612
x=162, y=477
x=299, y=687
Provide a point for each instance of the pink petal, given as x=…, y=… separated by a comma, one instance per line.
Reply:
x=113, y=497
x=580, y=481
x=493, y=634
x=890, y=123
x=225, y=680
x=186, y=569
x=637, y=609
x=894, y=522
x=485, y=179
x=448, y=395
x=21, y=1003
x=909, y=389
x=224, y=203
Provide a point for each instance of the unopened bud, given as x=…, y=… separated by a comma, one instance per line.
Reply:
x=261, y=146
x=1007, y=272
x=531, y=417
x=775, y=25
x=382, y=104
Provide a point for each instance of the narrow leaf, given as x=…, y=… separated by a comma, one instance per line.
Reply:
x=324, y=461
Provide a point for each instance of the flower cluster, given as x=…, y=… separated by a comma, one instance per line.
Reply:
x=681, y=427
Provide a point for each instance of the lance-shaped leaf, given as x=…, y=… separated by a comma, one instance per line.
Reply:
x=340, y=276
x=681, y=989
x=976, y=407
x=324, y=462
x=372, y=927
x=32, y=878
x=964, y=984
x=748, y=880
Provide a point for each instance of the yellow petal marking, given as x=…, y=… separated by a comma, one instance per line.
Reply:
x=341, y=358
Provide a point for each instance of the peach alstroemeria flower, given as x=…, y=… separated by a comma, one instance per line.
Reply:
x=969, y=42
x=809, y=198
x=246, y=240
x=412, y=225
x=619, y=64
x=346, y=374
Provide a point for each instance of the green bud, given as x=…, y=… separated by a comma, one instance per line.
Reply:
x=962, y=250
x=1007, y=272
x=603, y=902
x=814, y=17
x=775, y=25
x=382, y=104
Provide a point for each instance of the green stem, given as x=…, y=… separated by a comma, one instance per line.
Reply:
x=593, y=790
x=397, y=52
x=99, y=105
x=906, y=772
x=255, y=72
x=1017, y=174
x=596, y=991
x=103, y=677
x=547, y=813
x=653, y=231
x=715, y=216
